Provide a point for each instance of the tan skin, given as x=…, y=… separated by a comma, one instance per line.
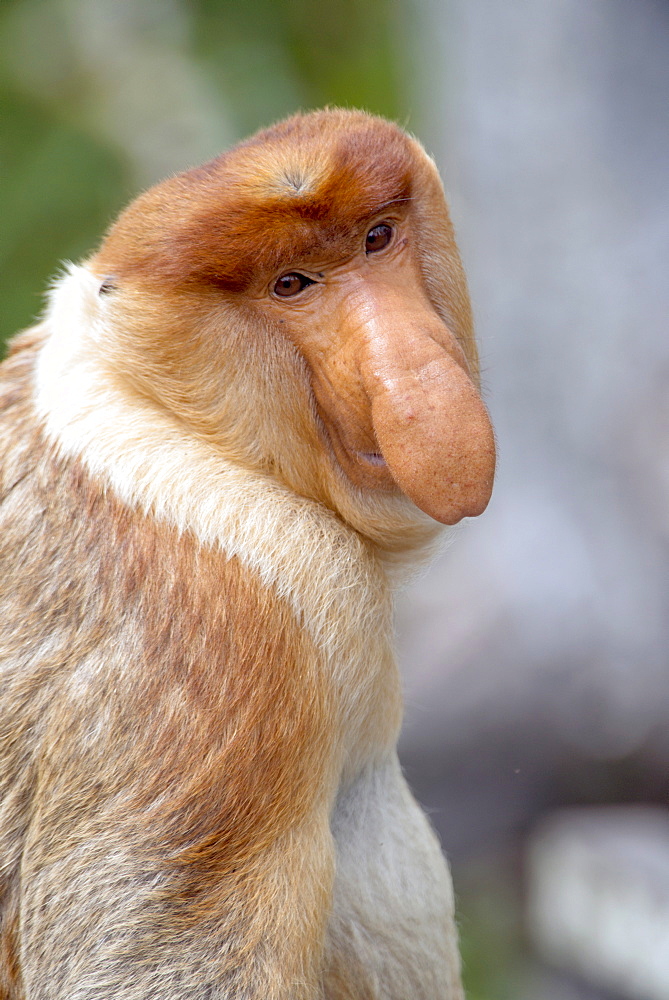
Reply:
x=393, y=389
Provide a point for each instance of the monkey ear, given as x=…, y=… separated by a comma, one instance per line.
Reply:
x=108, y=285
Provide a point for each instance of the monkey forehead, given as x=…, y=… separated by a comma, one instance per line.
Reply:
x=323, y=151
x=298, y=191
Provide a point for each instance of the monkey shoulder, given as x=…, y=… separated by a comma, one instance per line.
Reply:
x=144, y=672
x=203, y=685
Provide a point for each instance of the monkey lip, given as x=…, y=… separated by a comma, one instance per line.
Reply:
x=367, y=469
x=372, y=457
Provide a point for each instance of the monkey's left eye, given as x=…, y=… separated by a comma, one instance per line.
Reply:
x=378, y=237
x=291, y=284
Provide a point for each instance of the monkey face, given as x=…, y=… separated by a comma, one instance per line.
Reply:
x=324, y=249
x=391, y=382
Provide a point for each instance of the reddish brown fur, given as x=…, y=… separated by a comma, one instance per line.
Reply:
x=216, y=741
x=201, y=228
x=249, y=706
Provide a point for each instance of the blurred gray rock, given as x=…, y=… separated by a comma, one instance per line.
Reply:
x=598, y=897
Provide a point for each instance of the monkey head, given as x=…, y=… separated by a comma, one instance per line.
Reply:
x=299, y=302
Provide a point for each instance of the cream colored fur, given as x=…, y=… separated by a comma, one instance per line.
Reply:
x=393, y=906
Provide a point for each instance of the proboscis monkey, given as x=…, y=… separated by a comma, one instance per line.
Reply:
x=233, y=427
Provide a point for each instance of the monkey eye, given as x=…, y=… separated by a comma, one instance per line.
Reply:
x=378, y=237
x=291, y=284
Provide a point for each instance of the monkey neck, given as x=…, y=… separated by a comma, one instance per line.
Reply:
x=338, y=583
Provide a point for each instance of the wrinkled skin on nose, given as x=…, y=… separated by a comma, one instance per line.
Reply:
x=431, y=425
x=397, y=399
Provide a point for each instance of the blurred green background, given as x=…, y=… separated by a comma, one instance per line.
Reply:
x=102, y=98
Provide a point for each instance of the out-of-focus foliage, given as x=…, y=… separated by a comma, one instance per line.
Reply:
x=59, y=186
x=103, y=97
x=489, y=921
x=277, y=57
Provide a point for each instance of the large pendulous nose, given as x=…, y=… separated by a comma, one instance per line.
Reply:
x=429, y=419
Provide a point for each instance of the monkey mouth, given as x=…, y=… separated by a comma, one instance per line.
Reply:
x=367, y=469
x=371, y=457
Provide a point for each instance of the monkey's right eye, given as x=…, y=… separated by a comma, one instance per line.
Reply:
x=291, y=284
